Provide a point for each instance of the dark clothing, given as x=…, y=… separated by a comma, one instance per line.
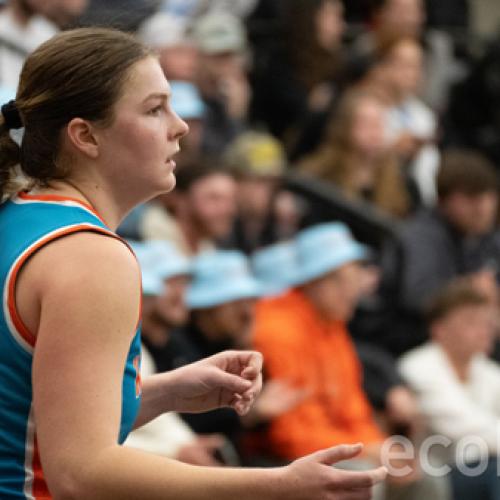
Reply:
x=485, y=486
x=380, y=374
x=431, y=254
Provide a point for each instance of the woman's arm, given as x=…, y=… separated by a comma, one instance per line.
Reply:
x=87, y=289
x=230, y=378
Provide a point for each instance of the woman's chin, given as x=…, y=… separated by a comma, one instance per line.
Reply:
x=170, y=182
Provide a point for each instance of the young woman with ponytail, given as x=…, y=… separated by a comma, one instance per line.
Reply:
x=99, y=137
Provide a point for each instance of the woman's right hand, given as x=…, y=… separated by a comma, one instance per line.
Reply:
x=313, y=477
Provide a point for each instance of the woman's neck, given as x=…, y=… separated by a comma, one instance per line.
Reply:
x=109, y=209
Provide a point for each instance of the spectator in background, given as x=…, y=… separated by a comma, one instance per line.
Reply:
x=222, y=77
x=355, y=155
x=275, y=267
x=458, y=237
x=222, y=300
x=458, y=387
x=198, y=214
x=300, y=77
x=393, y=19
x=22, y=30
x=301, y=332
x=411, y=125
x=167, y=34
x=259, y=163
x=163, y=307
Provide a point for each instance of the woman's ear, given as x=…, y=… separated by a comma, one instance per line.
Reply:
x=80, y=134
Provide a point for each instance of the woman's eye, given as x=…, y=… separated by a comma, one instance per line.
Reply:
x=156, y=110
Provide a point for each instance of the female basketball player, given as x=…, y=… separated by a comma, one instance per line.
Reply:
x=99, y=138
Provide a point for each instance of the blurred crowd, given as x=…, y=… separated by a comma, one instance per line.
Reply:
x=390, y=109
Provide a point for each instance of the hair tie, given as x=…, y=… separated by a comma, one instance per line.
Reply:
x=11, y=116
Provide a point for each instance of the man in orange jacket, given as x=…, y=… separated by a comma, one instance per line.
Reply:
x=304, y=339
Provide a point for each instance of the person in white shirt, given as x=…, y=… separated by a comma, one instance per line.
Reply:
x=458, y=386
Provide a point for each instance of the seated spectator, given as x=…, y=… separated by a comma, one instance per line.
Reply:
x=259, y=162
x=167, y=435
x=356, y=157
x=167, y=34
x=393, y=19
x=304, y=339
x=22, y=30
x=198, y=214
x=222, y=77
x=458, y=387
x=298, y=80
x=458, y=237
x=222, y=301
x=411, y=125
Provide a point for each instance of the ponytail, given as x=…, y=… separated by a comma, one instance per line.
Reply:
x=10, y=154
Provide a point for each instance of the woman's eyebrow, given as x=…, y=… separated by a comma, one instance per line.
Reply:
x=158, y=95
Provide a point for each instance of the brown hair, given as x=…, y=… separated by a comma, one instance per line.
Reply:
x=467, y=172
x=334, y=161
x=313, y=63
x=78, y=73
x=456, y=294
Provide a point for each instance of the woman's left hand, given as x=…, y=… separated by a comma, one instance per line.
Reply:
x=230, y=378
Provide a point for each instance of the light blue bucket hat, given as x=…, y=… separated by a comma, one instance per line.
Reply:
x=219, y=277
x=275, y=267
x=325, y=247
x=159, y=260
x=187, y=101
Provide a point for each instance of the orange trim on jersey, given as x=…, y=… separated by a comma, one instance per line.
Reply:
x=57, y=198
x=40, y=489
x=28, y=336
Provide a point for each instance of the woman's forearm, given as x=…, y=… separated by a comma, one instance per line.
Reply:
x=156, y=398
x=130, y=474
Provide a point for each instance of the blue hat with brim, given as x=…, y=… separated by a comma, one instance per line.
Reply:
x=275, y=267
x=161, y=258
x=158, y=260
x=167, y=261
x=152, y=285
x=324, y=248
x=187, y=101
x=220, y=277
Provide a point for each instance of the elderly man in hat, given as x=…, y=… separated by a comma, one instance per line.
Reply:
x=304, y=339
